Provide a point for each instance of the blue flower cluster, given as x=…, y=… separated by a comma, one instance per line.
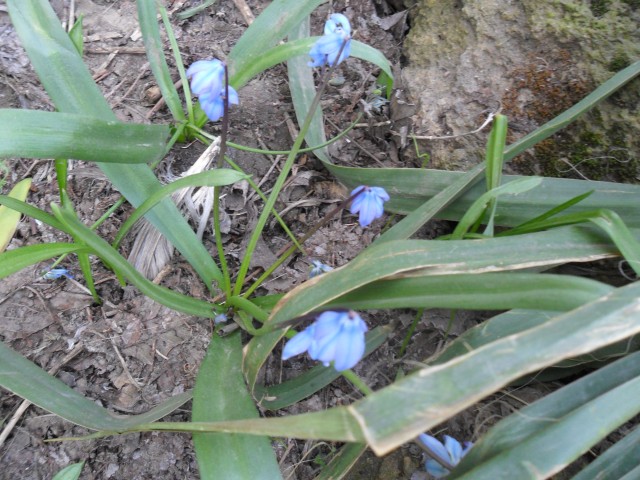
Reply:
x=451, y=452
x=325, y=51
x=368, y=203
x=208, y=83
x=336, y=337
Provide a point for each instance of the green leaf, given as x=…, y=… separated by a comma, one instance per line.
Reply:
x=620, y=459
x=393, y=417
x=147, y=16
x=342, y=462
x=537, y=417
x=440, y=257
x=38, y=134
x=302, y=87
x=75, y=34
x=72, y=90
x=70, y=472
x=30, y=382
x=15, y=260
x=9, y=218
x=221, y=394
x=210, y=178
x=176, y=301
x=272, y=25
x=488, y=291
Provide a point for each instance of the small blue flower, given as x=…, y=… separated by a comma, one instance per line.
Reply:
x=220, y=318
x=369, y=203
x=56, y=273
x=318, y=268
x=207, y=82
x=337, y=31
x=336, y=337
x=451, y=452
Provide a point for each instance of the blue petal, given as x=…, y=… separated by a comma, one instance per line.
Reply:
x=233, y=96
x=454, y=449
x=349, y=347
x=327, y=328
x=381, y=193
x=337, y=21
x=435, y=469
x=436, y=447
x=298, y=344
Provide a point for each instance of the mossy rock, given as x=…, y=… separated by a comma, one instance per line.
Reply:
x=532, y=60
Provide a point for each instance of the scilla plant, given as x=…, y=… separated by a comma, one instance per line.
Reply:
x=509, y=231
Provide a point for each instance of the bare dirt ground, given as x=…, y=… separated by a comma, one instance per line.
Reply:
x=130, y=353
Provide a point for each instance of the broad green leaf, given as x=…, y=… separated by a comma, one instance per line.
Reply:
x=147, y=16
x=409, y=188
x=210, y=178
x=620, y=459
x=535, y=417
x=71, y=472
x=38, y=134
x=72, y=90
x=9, y=218
x=488, y=291
x=30, y=382
x=221, y=394
x=342, y=462
x=391, y=417
x=563, y=440
x=444, y=257
x=100, y=247
x=15, y=260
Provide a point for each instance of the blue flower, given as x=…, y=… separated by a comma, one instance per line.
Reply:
x=336, y=337
x=56, y=273
x=207, y=82
x=369, y=203
x=318, y=268
x=451, y=452
x=325, y=51
x=220, y=318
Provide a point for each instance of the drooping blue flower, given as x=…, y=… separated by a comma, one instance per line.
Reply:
x=369, y=203
x=220, y=318
x=207, y=82
x=318, y=268
x=451, y=452
x=56, y=273
x=337, y=31
x=336, y=337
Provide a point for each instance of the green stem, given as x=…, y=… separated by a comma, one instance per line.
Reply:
x=357, y=382
x=412, y=328
x=262, y=220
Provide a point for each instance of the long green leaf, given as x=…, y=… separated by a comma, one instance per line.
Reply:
x=31, y=211
x=391, y=417
x=71, y=472
x=622, y=458
x=271, y=26
x=176, y=301
x=221, y=394
x=13, y=261
x=564, y=440
x=440, y=257
x=147, y=16
x=489, y=291
x=38, y=134
x=342, y=462
x=72, y=90
x=30, y=382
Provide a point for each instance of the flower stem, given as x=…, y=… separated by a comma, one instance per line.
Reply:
x=357, y=382
x=262, y=220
